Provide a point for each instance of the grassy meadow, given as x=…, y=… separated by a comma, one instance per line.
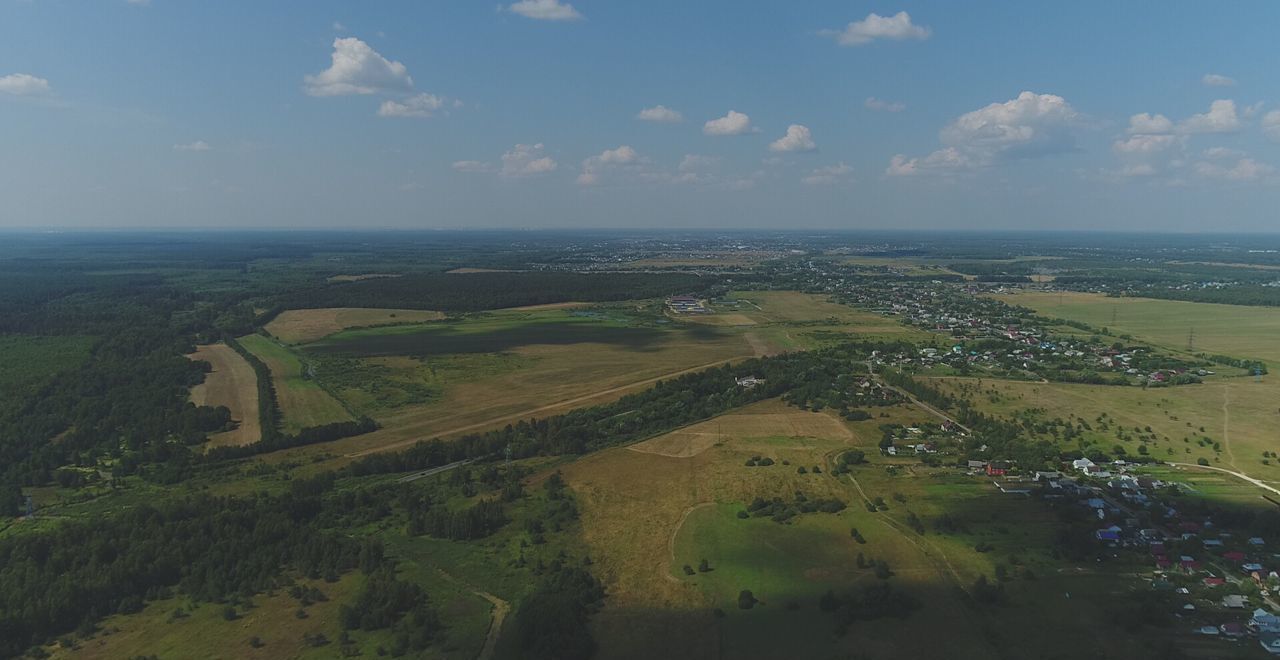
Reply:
x=303, y=402
x=651, y=508
x=1236, y=330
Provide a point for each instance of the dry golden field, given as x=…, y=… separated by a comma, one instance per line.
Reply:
x=298, y=326
x=233, y=384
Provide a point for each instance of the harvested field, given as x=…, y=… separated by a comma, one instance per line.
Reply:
x=233, y=384
x=297, y=326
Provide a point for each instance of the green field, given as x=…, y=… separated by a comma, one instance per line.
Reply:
x=496, y=333
x=1235, y=330
x=652, y=508
x=302, y=401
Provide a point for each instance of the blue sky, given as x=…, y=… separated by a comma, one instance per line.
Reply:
x=847, y=115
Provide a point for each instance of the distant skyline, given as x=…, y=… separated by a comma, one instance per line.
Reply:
x=592, y=114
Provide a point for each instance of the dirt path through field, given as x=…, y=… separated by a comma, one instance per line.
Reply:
x=1257, y=482
x=501, y=609
x=1226, y=424
x=671, y=542
x=525, y=414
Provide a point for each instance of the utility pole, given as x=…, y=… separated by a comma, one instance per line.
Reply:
x=1191, y=340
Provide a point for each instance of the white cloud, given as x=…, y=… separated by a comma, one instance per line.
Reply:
x=23, y=84
x=734, y=123
x=1145, y=144
x=660, y=113
x=1271, y=124
x=198, y=145
x=1028, y=126
x=358, y=69
x=827, y=175
x=546, y=10
x=1221, y=118
x=945, y=160
x=526, y=160
x=1245, y=169
x=339, y=27
x=420, y=106
x=897, y=28
x=873, y=103
x=596, y=166
x=1216, y=80
x=471, y=166
x=1218, y=153
x=797, y=138
x=1150, y=124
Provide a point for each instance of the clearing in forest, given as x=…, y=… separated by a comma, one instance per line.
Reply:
x=297, y=326
x=233, y=384
x=302, y=401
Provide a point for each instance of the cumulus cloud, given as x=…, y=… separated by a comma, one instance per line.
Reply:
x=1221, y=118
x=734, y=123
x=797, y=138
x=827, y=175
x=23, y=84
x=1145, y=143
x=660, y=113
x=1150, y=124
x=1028, y=126
x=526, y=160
x=420, y=106
x=198, y=145
x=1216, y=80
x=895, y=28
x=609, y=159
x=1271, y=124
x=873, y=103
x=546, y=10
x=1244, y=169
x=358, y=69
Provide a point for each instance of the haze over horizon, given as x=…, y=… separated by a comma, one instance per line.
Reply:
x=709, y=115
